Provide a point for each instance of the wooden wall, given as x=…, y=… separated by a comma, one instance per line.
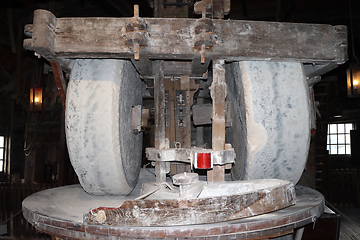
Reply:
x=11, y=197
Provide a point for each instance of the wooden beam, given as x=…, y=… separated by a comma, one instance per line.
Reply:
x=159, y=8
x=218, y=94
x=218, y=89
x=60, y=82
x=202, y=114
x=19, y=62
x=185, y=130
x=312, y=70
x=170, y=87
x=210, y=207
x=143, y=66
x=159, y=103
x=43, y=38
x=11, y=30
x=173, y=39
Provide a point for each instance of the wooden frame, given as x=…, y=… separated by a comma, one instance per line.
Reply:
x=61, y=39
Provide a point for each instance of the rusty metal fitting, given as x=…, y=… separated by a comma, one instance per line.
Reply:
x=138, y=24
x=204, y=24
x=204, y=39
x=136, y=37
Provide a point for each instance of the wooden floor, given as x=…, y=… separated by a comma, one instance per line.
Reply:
x=350, y=223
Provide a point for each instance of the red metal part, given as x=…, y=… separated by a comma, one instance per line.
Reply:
x=204, y=160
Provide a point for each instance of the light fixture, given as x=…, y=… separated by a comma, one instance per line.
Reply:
x=353, y=73
x=353, y=81
x=36, y=98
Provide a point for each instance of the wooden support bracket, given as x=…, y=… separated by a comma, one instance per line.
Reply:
x=60, y=81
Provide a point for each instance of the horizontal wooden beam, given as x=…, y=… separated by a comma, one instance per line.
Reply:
x=175, y=39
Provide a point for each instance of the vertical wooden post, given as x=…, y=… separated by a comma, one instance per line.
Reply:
x=170, y=115
x=218, y=90
x=186, y=130
x=159, y=8
x=19, y=55
x=159, y=103
x=11, y=29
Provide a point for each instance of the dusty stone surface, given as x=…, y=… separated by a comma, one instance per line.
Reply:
x=71, y=202
x=103, y=150
x=271, y=119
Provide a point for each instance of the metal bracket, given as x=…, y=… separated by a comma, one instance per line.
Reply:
x=136, y=35
x=139, y=118
x=189, y=155
x=204, y=29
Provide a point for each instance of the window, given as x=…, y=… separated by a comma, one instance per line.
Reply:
x=338, y=138
x=2, y=142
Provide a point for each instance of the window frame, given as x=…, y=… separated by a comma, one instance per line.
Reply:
x=345, y=138
x=3, y=153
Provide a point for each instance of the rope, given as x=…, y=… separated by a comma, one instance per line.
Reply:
x=10, y=218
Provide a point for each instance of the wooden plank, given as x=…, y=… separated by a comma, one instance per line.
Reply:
x=143, y=65
x=170, y=111
x=355, y=180
x=11, y=29
x=29, y=229
x=218, y=94
x=184, y=131
x=173, y=39
x=202, y=114
x=5, y=208
x=178, y=68
x=318, y=69
x=159, y=103
x=159, y=8
x=218, y=89
x=19, y=62
x=217, y=208
x=20, y=216
x=15, y=207
x=349, y=192
x=23, y=221
x=33, y=190
x=343, y=187
x=174, y=132
x=10, y=206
